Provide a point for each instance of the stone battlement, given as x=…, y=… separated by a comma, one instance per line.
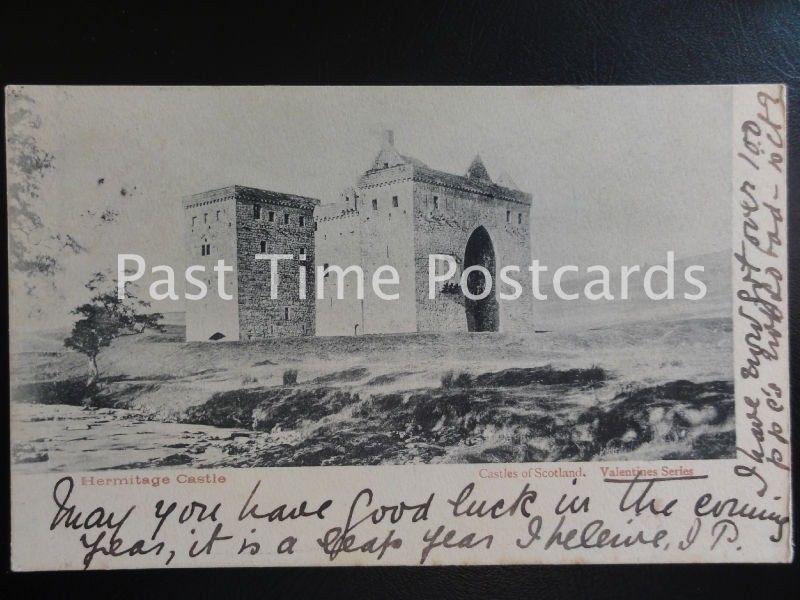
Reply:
x=241, y=192
x=339, y=213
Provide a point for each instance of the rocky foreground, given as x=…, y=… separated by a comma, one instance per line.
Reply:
x=515, y=415
x=656, y=390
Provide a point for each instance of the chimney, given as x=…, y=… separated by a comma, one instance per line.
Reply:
x=388, y=138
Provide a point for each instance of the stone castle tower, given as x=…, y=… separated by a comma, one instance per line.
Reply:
x=401, y=211
x=236, y=223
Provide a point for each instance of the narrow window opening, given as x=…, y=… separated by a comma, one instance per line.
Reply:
x=263, y=246
x=302, y=221
x=508, y=216
x=519, y=218
x=271, y=216
x=256, y=211
x=394, y=202
x=435, y=202
x=285, y=218
x=374, y=204
x=286, y=313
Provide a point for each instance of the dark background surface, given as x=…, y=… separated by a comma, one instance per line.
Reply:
x=575, y=42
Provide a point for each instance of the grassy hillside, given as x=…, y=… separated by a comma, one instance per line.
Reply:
x=646, y=390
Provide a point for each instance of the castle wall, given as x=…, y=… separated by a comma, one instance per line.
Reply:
x=374, y=234
x=288, y=315
x=338, y=239
x=444, y=219
x=209, y=220
x=387, y=238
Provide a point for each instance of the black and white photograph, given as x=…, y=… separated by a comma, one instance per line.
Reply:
x=273, y=276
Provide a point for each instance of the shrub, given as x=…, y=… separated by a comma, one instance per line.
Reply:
x=290, y=377
x=451, y=380
x=463, y=380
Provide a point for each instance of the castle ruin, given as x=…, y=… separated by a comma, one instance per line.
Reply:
x=399, y=212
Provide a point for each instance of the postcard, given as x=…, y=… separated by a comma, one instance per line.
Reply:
x=284, y=326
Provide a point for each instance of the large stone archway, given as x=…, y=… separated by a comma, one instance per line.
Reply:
x=482, y=315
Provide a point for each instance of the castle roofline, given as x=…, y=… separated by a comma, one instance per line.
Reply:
x=223, y=191
x=270, y=196
x=241, y=192
x=477, y=170
x=469, y=184
x=331, y=212
x=419, y=171
x=476, y=180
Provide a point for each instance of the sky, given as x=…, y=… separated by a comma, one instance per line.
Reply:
x=617, y=175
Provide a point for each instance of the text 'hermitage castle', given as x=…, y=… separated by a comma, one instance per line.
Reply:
x=399, y=212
